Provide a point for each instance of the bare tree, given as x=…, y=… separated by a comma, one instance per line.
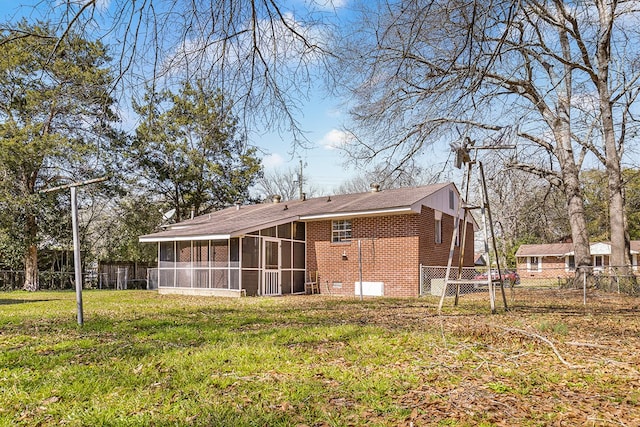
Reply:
x=261, y=55
x=525, y=209
x=559, y=80
x=387, y=177
x=285, y=184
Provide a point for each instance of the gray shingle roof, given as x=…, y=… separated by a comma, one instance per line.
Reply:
x=551, y=249
x=234, y=221
x=560, y=249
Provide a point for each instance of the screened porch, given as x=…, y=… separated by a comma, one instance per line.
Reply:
x=270, y=261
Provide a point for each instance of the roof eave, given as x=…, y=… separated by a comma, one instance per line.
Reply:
x=544, y=254
x=157, y=239
x=351, y=214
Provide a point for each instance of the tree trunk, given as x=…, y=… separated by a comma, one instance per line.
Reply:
x=31, y=282
x=570, y=170
x=620, y=247
x=620, y=257
x=577, y=220
x=575, y=201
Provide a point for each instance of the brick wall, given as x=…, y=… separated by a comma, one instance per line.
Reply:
x=551, y=268
x=392, y=248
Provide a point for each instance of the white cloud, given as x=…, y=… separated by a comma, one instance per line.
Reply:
x=274, y=39
x=330, y=4
x=334, y=113
x=587, y=102
x=272, y=161
x=335, y=139
x=100, y=5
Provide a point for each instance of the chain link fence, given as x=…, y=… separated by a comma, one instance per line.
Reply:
x=120, y=278
x=11, y=280
x=530, y=288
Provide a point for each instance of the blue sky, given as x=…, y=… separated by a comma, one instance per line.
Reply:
x=320, y=117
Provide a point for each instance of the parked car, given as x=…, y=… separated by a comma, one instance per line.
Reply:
x=512, y=276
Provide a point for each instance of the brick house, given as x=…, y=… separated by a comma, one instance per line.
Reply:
x=275, y=248
x=557, y=259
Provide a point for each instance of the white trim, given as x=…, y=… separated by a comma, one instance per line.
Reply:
x=356, y=213
x=593, y=262
x=600, y=248
x=150, y=239
x=217, y=292
x=268, y=274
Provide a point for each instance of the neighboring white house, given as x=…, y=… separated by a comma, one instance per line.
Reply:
x=557, y=259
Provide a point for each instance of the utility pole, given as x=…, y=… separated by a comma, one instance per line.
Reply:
x=300, y=182
x=77, y=264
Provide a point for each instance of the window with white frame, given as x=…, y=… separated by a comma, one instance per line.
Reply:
x=598, y=261
x=533, y=263
x=452, y=199
x=341, y=230
x=570, y=262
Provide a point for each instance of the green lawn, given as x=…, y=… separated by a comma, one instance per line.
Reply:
x=147, y=359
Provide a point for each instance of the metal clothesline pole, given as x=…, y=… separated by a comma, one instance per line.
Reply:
x=77, y=265
x=76, y=237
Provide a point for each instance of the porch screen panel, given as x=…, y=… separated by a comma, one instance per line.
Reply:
x=234, y=279
x=234, y=252
x=220, y=278
x=284, y=231
x=286, y=254
x=184, y=254
x=271, y=255
x=251, y=281
x=299, y=231
x=268, y=232
x=234, y=263
x=250, y=252
x=201, y=253
x=201, y=278
x=201, y=262
x=183, y=277
x=166, y=278
x=298, y=281
x=219, y=253
x=167, y=254
x=298, y=255
x=285, y=278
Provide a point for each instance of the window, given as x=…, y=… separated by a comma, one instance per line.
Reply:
x=533, y=264
x=438, y=231
x=452, y=198
x=598, y=261
x=570, y=263
x=341, y=230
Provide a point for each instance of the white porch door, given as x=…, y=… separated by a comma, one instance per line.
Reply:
x=271, y=267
